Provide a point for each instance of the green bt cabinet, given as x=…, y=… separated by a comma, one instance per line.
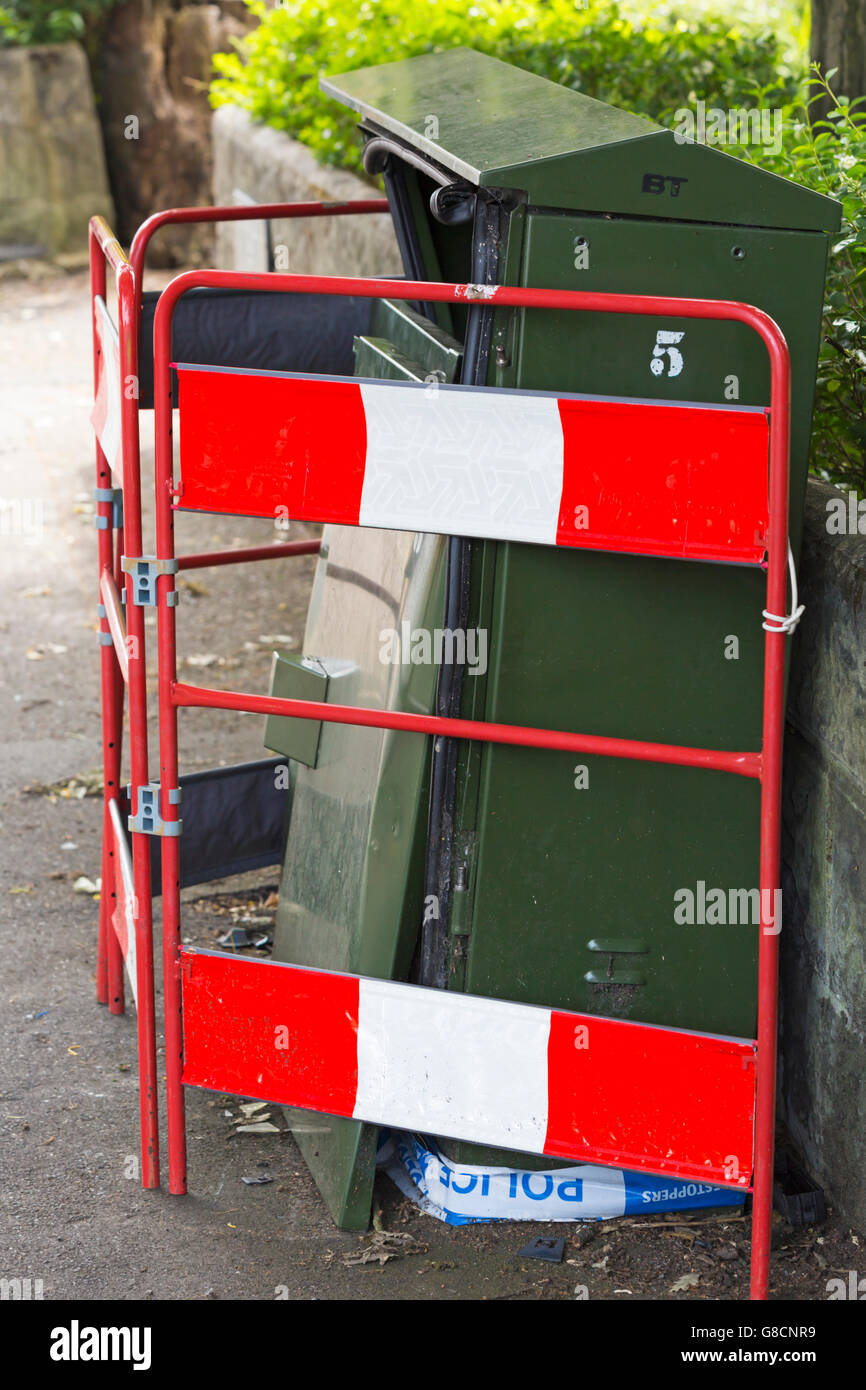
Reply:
x=509, y=872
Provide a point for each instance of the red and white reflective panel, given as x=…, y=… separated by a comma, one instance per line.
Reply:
x=105, y=416
x=510, y=1075
x=123, y=916
x=650, y=478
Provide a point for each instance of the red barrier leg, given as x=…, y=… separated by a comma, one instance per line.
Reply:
x=116, y=1002
x=97, y=287
x=138, y=749
x=171, y=933
x=147, y=1082
x=771, y=823
x=111, y=726
x=173, y=1019
x=168, y=776
x=102, y=937
x=768, y=982
x=768, y=966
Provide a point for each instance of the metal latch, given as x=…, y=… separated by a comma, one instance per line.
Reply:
x=114, y=495
x=148, y=819
x=144, y=570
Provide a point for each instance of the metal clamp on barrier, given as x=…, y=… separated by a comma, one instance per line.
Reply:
x=105, y=639
x=148, y=819
x=114, y=495
x=144, y=570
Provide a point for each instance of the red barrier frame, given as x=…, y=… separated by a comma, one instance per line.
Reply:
x=122, y=643
x=765, y=766
x=122, y=665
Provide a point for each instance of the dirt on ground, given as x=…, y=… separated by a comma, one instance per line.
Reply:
x=73, y=1212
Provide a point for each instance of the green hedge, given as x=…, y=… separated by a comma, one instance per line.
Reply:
x=829, y=155
x=651, y=66
x=27, y=22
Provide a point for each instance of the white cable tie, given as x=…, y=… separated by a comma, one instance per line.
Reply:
x=772, y=621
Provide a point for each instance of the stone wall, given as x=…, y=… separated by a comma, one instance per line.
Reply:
x=52, y=167
x=269, y=167
x=823, y=942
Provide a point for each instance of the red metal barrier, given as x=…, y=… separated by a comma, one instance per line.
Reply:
x=123, y=666
x=766, y=765
x=628, y=476
x=567, y=1085
x=125, y=913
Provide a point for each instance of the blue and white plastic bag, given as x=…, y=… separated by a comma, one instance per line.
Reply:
x=462, y=1193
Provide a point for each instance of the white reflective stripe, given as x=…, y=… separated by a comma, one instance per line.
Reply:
x=452, y=1064
x=462, y=463
x=126, y=893
x=131, y=957
x=109, y=434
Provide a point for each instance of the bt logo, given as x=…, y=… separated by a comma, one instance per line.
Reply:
x=657, y=183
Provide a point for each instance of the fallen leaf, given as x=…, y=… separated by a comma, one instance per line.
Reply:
x=685, y=1281
x=22, y=888
x=385, y=1246
x=78, y=786
x=86, y=885
x=260, y=1127
x=44, y=648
